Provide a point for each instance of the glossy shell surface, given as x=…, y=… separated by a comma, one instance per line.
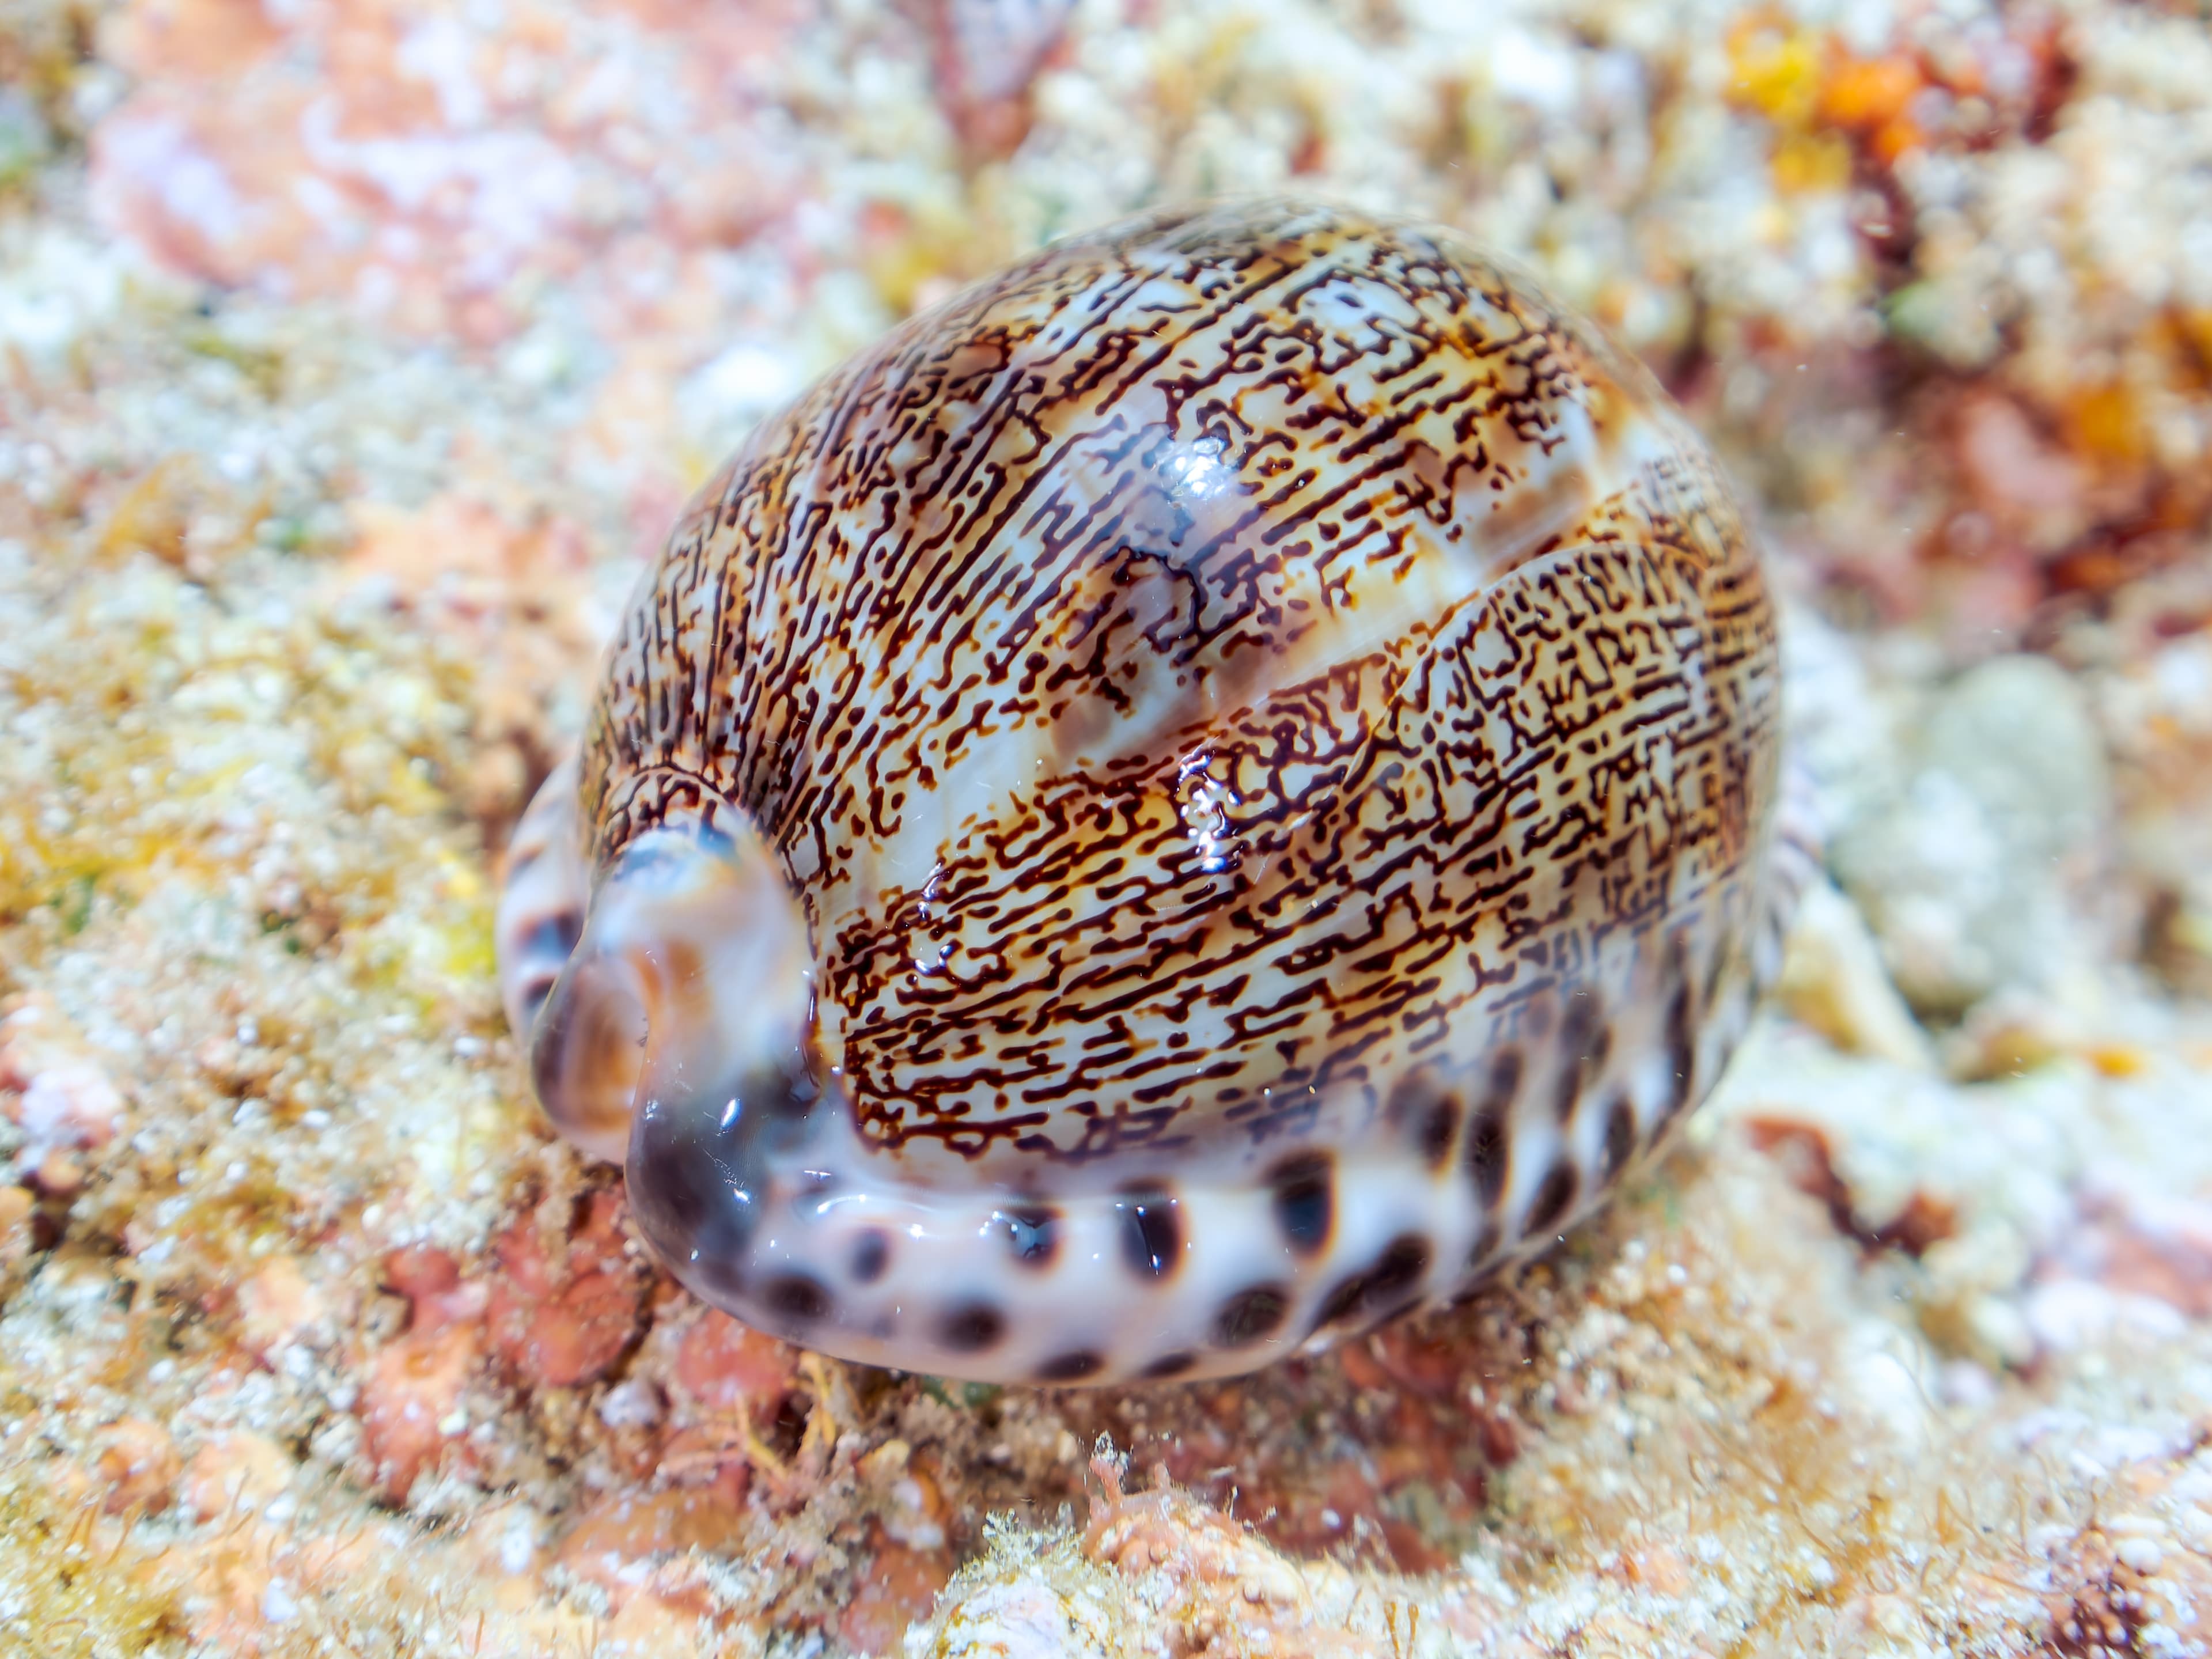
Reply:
x=1214, y=789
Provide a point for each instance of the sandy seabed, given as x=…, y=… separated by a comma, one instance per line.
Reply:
x=352, y=355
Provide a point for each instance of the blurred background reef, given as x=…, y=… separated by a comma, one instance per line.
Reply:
x=353, y=353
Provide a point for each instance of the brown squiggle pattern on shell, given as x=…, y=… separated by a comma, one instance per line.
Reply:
x=1133, y=810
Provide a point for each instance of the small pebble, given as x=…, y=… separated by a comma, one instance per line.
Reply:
x=2141, y=1555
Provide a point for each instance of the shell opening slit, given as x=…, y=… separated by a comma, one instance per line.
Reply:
x=1215, y=788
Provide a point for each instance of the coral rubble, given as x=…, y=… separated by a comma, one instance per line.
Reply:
x=349, y=354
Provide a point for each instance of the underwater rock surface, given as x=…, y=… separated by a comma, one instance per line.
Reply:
x=351, y=357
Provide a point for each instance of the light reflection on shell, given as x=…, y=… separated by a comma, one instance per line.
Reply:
x=1214, y=789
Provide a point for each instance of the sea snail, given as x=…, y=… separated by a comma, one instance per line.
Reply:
x=1211, y=790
